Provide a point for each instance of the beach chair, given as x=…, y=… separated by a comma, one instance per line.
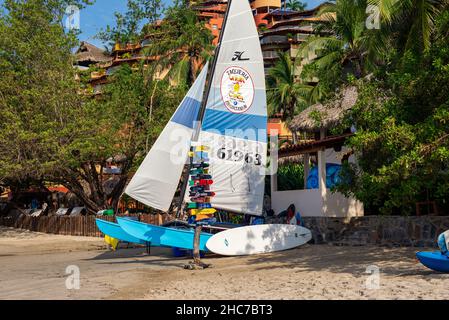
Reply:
x=78, y=211
x=62, y=211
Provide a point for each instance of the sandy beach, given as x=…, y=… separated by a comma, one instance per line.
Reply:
x=33, y=266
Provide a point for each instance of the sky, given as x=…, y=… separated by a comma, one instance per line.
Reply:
x=97, y=16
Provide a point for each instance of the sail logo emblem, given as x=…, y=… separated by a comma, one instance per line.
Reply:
x=226, y=242
x=238, y=56
x=237, y=89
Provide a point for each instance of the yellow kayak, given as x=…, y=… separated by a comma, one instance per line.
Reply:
x=202, y=148
x=200, y=217
x=195, y=212
x=111, y=241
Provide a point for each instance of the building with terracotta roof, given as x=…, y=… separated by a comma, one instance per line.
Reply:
x=212, y=13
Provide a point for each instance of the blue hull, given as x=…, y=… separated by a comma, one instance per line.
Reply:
x=162, y=236
x=113, y=230
x=434, y=260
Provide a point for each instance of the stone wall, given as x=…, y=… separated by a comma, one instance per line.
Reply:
x=378, y=230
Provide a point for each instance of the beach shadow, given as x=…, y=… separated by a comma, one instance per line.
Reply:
x=136, y=252
x=168, y=262
x=162, y=257
x=119, y=254
x=343, y=259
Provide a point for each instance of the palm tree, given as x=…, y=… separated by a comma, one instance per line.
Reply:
x=285, y=93
x=182, y=44
x=411, y=21
x=295, y=5
x=344, y=41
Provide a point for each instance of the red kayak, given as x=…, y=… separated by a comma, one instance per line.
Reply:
x=202, y=182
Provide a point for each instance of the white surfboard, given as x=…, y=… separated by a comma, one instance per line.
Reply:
x=258, y=239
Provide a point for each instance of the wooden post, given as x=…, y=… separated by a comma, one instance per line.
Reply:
x=196, y=264
x=196, y=245
x=306, y=168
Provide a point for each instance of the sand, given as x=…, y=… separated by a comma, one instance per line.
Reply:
x=33, y=266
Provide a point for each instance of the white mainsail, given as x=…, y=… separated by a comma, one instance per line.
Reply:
x=157, y=178
x=234, y=125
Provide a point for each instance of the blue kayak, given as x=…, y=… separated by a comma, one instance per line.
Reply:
x=163, y=236
x=434, y=260
x=113, y=230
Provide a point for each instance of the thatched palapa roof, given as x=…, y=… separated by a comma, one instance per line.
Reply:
x=88, y=53
x=325, y=116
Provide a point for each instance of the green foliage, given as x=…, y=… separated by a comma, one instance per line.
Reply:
x=403, y=134
x=412, y=22
x=46, y=128
x=342, y=45
x=136, y=107
x=285, y=94
x=401, y=71
x=290, y=177
x=296, y=5
x=50, y=133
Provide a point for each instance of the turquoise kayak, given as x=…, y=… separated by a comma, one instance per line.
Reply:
x=434, y=260
x=163, y=236
x=113, y=230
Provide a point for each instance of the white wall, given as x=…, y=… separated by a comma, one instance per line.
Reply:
x=318, y=202
x=337, y=205
x=309, y=204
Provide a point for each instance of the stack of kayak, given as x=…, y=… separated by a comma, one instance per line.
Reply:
x=200, y=208
x=132, y=231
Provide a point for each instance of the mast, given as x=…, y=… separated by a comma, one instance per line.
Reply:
x=203, y=106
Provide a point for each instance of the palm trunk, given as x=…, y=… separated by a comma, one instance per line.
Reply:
x=359, y=68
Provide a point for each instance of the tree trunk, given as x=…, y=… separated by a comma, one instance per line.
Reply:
x=358, y=68
x=117, y=193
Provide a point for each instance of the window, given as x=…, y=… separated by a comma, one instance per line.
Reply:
x=214, y=27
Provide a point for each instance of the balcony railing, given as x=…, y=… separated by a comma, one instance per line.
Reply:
x=270, y=55
x=126, y=47
x=274, y=40
x=290, y=28
x=301, y=37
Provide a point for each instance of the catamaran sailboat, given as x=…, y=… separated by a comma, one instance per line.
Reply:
x=225, y=112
